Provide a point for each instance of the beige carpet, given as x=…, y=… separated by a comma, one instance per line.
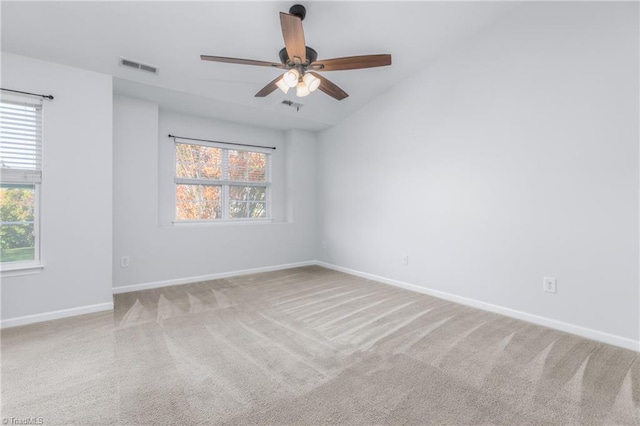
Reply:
x=309, y=346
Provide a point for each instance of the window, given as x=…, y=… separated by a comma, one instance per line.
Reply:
x=20, y=179
x=215, y=183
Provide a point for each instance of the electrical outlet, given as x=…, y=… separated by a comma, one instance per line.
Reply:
x=550, y=284
x=124, y=261
x=323, y=245
x=405, y=259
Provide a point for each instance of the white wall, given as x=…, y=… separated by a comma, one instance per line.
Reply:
x=513, y=157
x=76, y=192
x=143, y=206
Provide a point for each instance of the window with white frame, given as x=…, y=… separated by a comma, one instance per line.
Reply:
x=217, y=183
x=20, y=179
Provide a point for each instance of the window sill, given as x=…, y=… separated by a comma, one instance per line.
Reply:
x=18, y=269
x=221, y=222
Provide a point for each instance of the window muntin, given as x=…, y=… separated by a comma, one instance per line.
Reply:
x=247, y=166
x=17, y=229
x=247, y=202
x=198, y=162
x=20, y=179
x=214, y=183
x=198, y=202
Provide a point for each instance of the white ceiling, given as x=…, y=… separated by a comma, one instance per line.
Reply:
x=172, y=35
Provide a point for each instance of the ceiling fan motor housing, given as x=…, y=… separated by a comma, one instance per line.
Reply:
x=310, y=53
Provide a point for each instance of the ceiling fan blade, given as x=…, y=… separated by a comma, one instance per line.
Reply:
x=269, y=88
x=293, y=35
x=241, y=61
x=352, y=62
x=330, y=88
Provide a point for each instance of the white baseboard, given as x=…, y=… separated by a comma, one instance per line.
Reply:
x=189, y=280
x=588, y=333
x=48, y=316
x=547, y=322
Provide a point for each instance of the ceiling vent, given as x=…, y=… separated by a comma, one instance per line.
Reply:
x=137, y=65
x=292, y=104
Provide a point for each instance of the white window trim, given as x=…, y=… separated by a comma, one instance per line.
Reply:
x=35, y=266
x=214, y=222
x=225, y=184
x=15, y=269
x=29, y=266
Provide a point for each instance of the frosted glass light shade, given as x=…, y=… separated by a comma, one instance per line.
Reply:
x=282, y=85
x=291, y=78
x=302, y=90
x=312, y=82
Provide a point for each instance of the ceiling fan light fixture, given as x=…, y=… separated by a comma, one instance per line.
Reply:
x=302, y=90
x=311, y=82
x=291, y=77
x=282, y=85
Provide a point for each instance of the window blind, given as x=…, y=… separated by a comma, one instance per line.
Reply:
x=20, y=139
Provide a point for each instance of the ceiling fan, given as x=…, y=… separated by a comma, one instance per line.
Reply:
x=301, y=62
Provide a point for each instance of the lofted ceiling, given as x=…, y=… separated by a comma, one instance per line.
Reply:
x=173, y=35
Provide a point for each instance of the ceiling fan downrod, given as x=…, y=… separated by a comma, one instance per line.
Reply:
x=298, y=10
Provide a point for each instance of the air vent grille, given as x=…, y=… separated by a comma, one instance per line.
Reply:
x=148, y=68
x=292, y=104
x=139, y=66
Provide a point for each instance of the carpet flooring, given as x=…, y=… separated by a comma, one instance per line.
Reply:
x=309, y=346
